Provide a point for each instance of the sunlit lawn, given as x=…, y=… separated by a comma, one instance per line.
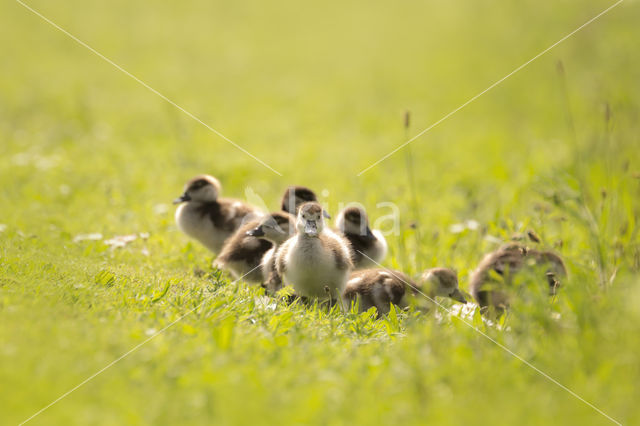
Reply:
x=318, y=92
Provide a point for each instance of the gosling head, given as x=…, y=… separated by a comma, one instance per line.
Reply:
x=354, y=221
x=310, y=221
x=275, y=227
x=295, y=196
x=202, y=188
x=442, y=282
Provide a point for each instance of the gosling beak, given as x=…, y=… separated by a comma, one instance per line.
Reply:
x=458, y=296
x=256, y=232
x=181, y=199
x=311, y=228
x=369, y=234
x=326, y=215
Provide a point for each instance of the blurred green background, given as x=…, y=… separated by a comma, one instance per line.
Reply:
x=318, y=92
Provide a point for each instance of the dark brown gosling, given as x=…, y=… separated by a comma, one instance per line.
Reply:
x=368, y=247
x=243, y=253
x=499, y=268
x=276, y=229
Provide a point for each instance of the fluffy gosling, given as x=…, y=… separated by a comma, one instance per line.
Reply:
x=377, y=287
x=368, y=247
x=315, y=261
x=242, y=253
x=276, y=229
x=209, y=219
x=381, y=287
x=506, y=262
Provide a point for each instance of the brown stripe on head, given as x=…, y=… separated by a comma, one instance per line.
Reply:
x=275, y=227
x=294, y=196
x=311, y=208
x=355, y=215
x=201, y=181
x=282, y=218
x=353, y=222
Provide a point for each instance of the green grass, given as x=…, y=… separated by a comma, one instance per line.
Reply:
x=317, y=91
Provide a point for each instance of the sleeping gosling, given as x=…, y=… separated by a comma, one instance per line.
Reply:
x=382, y=287
x=209, y=219
x=498, y=269
x=316, y=261
x=276, y=228
x=368, y=247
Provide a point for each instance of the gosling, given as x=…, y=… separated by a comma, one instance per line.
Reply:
x=382, y=287
x=316, y=261
x=368, y=247
x=496, y=272
x=377, y=287
x=242, y=253
x=276, y=229
x=209, y=219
